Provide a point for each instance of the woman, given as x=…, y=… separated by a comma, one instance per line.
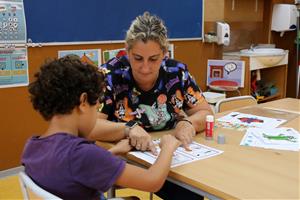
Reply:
x=147, y=88
x=148, y=92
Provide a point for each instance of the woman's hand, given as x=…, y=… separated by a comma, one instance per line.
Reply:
x=141, y=140
x=169, y=141
x=185, y=131
x=121, y=147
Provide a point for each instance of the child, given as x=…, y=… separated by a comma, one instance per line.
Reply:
x=66, y=93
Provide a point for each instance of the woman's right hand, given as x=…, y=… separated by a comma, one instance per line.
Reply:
x=141, y=140
x=169, y=141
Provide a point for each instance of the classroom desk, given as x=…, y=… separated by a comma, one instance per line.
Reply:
x=243, y=172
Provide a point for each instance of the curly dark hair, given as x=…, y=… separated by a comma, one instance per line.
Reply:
x=59, y=84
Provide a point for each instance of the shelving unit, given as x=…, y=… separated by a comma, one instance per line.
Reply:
x=275, y=74
x=270, y=98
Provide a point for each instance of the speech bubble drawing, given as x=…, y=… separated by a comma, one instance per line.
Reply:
x=230, y=67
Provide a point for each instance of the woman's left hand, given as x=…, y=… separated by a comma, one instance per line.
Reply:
x=185, y=131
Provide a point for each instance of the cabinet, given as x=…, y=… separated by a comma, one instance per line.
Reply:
x=272, y=69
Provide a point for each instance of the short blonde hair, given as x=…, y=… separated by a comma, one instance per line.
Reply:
x=147, y=27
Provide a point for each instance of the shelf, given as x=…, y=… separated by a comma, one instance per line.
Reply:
x=269, y=98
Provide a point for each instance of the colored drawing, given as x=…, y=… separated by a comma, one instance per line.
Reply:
x=250, y=120
x=272, y=138
x=90, y=56
x=225, y=73
x=109, y=54
x=280, y=137
x=241, y=120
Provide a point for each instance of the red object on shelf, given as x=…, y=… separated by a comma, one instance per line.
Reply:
x=223, y=85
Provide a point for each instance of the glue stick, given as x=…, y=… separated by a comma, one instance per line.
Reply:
x=209, y=127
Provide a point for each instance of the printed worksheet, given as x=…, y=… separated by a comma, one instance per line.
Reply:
x=272, y=138
x=237, y=119
x=181, y=156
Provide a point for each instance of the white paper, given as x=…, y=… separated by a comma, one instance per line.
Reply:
x=272, y=138
x=236, y=119
x=181, y=156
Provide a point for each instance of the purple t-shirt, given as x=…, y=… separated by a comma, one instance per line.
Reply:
x=71, y=167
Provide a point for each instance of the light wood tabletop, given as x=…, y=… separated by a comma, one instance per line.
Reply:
x=244, y=172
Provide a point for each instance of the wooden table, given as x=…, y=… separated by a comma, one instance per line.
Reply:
x=244, y=172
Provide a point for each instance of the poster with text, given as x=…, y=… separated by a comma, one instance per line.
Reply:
x=12, y=22
x=13, y=67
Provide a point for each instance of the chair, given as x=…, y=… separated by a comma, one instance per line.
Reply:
x=32, y=191
x=234, y=102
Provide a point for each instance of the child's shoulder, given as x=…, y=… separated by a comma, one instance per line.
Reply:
x=58, y=141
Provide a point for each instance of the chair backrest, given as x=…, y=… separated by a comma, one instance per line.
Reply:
x=234, y=103
x=32, y=191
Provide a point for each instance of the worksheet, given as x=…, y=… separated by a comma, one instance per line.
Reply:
x=272, y=138
x=181, y=156
x=237, y=120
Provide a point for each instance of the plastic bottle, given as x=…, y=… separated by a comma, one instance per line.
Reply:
x=209, y=127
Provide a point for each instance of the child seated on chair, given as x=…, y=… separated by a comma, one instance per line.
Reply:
x=66, y=93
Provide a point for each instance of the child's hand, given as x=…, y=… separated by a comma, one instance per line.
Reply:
x=169, y=141
x=121, y=147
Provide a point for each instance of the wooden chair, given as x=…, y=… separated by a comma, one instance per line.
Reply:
x=32, y=191
x=234, y=102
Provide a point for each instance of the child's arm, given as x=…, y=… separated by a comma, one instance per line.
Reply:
x=121, y=147
x=153, y=178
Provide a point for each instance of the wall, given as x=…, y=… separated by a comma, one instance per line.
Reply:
x=247, y=21
x=213, y=10
x=19, y=121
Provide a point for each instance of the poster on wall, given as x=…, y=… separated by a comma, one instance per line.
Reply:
x=13, y=67
x=227, y=73
x=12, y=22
x=90, y=56
x=109, y=54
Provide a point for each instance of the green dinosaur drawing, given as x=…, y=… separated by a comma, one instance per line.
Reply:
x=280, y=137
